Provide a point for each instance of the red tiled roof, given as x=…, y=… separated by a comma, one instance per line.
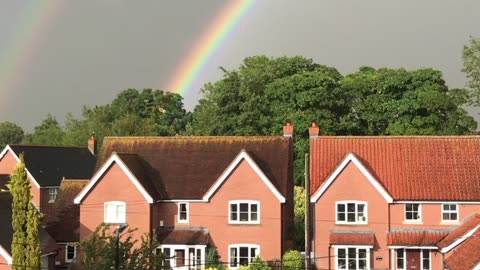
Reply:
x=352, y=238
x=409, y=167
x=183, y=236
x=63, y=218
x=466, y=255
x=460, y=231
x=185, y=167
x=415, y=237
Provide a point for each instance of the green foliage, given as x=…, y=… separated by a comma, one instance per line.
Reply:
x=258, y=264
x=100, y=249
x=299, y=217
x=49, y=132
x=471, y=66
x=293, y=260
x=10, y=133
x=25, y=221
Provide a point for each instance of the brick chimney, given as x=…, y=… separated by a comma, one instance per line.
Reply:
x=288, y=129
x=313, y=130
x=92, y=144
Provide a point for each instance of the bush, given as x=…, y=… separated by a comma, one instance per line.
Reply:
x=293, y=260
x=258, y=264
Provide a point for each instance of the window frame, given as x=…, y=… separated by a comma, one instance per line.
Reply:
x=419, y=220
x=250, y=203
x=429, y=259
x=121, y=219
x=404, y=258
x=198, y=259
x=357, y=259
x=237, y=247
x=449, y=212
x=74, y=252
x=50, y=189
x=356, y=222
x=187, y=207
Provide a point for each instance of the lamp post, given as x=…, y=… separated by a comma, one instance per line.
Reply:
x=120, y=228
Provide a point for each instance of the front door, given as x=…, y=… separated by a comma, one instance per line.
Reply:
x=413, y=259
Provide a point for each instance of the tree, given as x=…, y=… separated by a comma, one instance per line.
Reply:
x=471, y=66
x=293, y=260
x=49, y=132
x=10, y=133
x=299, y=217
x=25, y=221
x=99, y=251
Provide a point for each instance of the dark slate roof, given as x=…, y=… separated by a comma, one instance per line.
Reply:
x=50, y=164
x=4, y=179
x=6, y=230
x=186, y=167
x=183, y=236
x=63, y=218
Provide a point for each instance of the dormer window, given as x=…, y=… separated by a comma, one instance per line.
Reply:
x=351, y=212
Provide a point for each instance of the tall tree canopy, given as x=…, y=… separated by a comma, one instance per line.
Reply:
x=471, y=66
x=263, y=92
x=132, y=112
x=49, y=132
x=10, y=133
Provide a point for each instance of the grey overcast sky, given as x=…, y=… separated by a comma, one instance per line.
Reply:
x=56, y=55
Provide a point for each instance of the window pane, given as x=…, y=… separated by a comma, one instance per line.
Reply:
x=360, y=208
x=362, y=253
x=254, y=212
x=253, y=208
x=351, y=217
x=243, y=216
x=415, y=207
x=445, y=216
x=244, y=207
x=351, y=207
x=253, y=216
x=243, y=258
x=233, y=257
x=340, y=217
x=408, y=207
x=453, y=216
x=233, y=212
x=340, y=208
x=341, y=253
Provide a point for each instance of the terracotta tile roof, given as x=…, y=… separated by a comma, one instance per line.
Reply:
x=50, y=164
x=409, y=167
x=409, y=237
x=183, y=236
x=186, y=167
x=63, y=218
x=468, y=225
x=466, y=255
x=4, y=179
x=352, y=238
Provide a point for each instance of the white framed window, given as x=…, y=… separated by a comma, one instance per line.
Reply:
x=352, y=257
x=351, y=212
x=449, y=212
x=426, y=262
x=413, y=212
x=400, y=258
x=184, y=255
x=114, y=212
x=182, y=212
x=70, y=252
x=52, y=194
x=242, y=254
x=244, y=212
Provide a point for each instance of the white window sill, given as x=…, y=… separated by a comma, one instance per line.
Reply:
x=351, y=223
x=183, y=222
x=449, y=222
x=51, y=201
x=244, y=222
x=413, y=222
x=114, y=221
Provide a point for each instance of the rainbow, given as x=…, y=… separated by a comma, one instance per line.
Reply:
x=26, y=37
x=207, y=44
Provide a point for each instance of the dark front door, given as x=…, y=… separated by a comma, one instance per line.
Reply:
x=413, y=259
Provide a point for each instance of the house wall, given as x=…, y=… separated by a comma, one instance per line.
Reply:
x=7, y=165
x=351, y=184
x=4, y=265
x=242, y=184
x=114, y=186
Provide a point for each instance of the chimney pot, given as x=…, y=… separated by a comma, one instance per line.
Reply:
x=314, y=130
x=288, y=129
x=92, y=144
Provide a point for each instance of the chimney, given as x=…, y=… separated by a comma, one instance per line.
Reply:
x=288, y=129
x=92, y=144
x=313, y=130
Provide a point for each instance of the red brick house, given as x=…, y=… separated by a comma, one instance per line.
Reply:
x=395, y=202
x=48, y=167
x=231, y=193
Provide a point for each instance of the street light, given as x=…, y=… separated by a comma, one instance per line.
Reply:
x=120, y=228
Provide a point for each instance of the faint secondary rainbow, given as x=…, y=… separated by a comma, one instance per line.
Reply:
x=208, y=43
x=26, y=37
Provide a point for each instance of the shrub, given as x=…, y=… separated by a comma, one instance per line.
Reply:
x=293, y=260
x=258, y=264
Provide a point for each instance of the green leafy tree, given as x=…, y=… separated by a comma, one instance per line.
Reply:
x=49, y=132
x=99, y=250
x=471, y=66
x=10, y=133
x=293, y=260
x=25, y=221
x=299, y=217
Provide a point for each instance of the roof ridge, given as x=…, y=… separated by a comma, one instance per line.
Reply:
x=195, y=137
x=45, y=146
x=446, y=230
x=397, y=137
